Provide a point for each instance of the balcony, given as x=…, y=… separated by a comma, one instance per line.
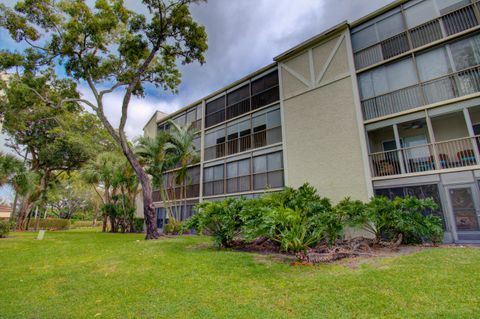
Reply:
x=448, y=24
x=444, y=88
x=415, y=147
x=244, y=143
x=436, y=156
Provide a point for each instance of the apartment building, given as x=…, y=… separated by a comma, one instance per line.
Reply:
x=387, y=105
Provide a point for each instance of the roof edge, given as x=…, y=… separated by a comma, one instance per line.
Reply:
x=311, y=41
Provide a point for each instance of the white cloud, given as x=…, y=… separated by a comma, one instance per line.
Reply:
x=139, y=110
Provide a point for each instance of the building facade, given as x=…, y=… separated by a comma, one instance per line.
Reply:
x=387, y=105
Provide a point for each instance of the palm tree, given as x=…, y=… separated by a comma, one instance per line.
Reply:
x=102, y=171
x=13, y=172
x=155, y=155
x=183, y=154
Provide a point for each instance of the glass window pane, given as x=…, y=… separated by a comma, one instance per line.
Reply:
x=208, y=174
x=191, y=116
x=275, y=179
x=390, y=26
x=379, y=80
x=366, y=85
x=196, y=143
x=466, y=52
x=274, y=135
x=274, y=161
x=364, y=38
x=238, y=95
x=232, y=170
x=259, y=181
x=401, y=74
x=244, y=167
x=433, y=64
x=199, y=112
x=273, y=119
x=232, y=185
x=232, y=129
x=218, y=172
x=260, y=164
x=180, y=120
x=218, y=187
x=216, y=105
x=244, y=184
x=420, y=13
x=259, y=121
x=446, y=6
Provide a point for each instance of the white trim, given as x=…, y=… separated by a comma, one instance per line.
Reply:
x=330, y=59
x=358, y=111
x=284, y=130
x=297, y=75
x=300, y=92
x=312, y=67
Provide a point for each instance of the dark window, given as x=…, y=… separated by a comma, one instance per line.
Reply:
x=238, y=102
x=215, y=112
x=265, y=90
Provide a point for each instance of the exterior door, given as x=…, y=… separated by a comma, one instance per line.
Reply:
x=464, y=206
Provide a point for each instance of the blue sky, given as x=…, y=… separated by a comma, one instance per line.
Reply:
x=244, y=35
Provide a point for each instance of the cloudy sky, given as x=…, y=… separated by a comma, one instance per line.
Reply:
x=243, y=36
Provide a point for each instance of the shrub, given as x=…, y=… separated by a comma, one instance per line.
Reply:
x=83, y=224
x=138, y=225
x=408, y=219
x=50, y=224
x=5, y=227
x=173, y=227
x=219, y=219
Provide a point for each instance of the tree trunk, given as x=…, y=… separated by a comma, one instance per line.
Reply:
x=22, y=214
x=148, y=208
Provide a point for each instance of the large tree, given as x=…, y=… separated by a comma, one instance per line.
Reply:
x=110, y=47
x=55, y=139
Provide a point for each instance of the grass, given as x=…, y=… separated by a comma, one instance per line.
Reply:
x=78, y=274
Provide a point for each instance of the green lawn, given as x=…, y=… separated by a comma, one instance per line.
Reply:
x=93, y=275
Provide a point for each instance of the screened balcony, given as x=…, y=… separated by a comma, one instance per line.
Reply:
x=413, y=25
x=446, y=72
x=411, y=148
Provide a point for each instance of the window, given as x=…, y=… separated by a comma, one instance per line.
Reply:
x=213, y=180
x=388, y=78
x=238, y=136
x=215, y=112
x=238, y=102
x=265, y=90
x=238, y=176
x=364, y=38
x=466, y=52
x=193, y=182
x=420, y=13
x=215, y=143
x=390, y=26
x=433, y=64
x=268, y=171
x=267, y=127
x=180, y=120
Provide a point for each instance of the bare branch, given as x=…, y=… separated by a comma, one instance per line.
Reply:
x=110, y=90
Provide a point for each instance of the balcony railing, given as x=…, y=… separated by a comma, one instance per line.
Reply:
x=244, y=143
x=453, y=22
x=461, y=152
x=444, y=88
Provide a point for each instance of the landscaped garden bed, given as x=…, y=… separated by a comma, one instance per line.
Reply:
x=308, y=228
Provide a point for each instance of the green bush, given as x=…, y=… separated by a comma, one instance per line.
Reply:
x=5, y=227
x=407, y=217
x=76, y=224
x=138, y=224
x=50, y=224
x=298, y=219
x=219, y=219
x=173, y=227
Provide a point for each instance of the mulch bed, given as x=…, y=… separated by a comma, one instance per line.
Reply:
x=323, y=253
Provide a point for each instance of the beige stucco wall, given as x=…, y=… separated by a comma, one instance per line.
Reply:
x=150, y=129
x=322, y=136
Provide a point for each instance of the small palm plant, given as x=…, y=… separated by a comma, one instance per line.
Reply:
x=183, y=154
